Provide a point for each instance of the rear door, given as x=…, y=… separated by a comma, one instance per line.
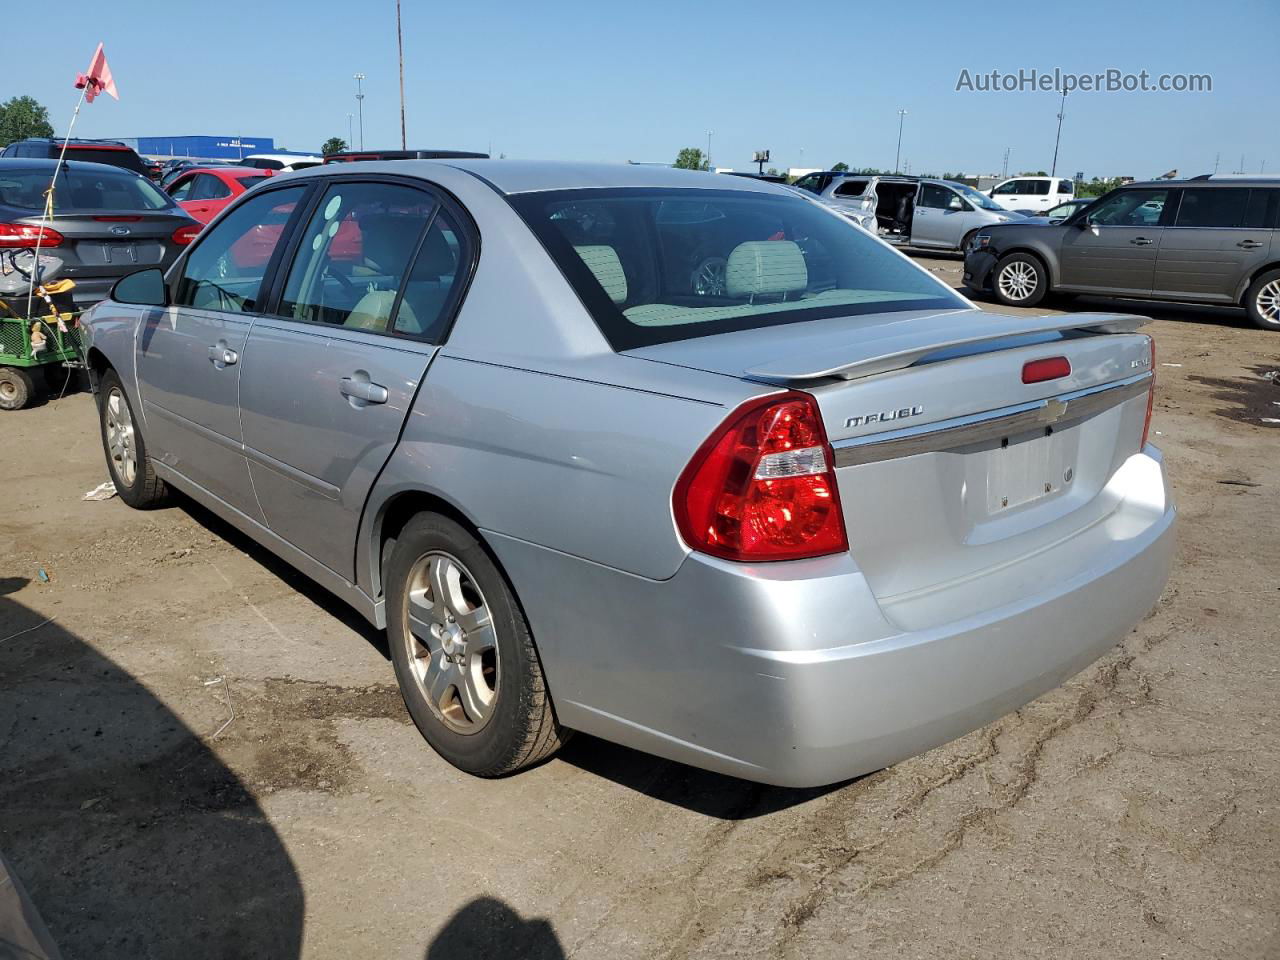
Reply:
x=189, y=355
x=331, y=376
x=1115, y=251
x=1219, y=236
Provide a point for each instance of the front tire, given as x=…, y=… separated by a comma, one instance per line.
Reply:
x=1019, y=280
x=1263, y=301
x=463, y=655
x=126, y=451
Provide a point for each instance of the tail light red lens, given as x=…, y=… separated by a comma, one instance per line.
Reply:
x=1050, y=368
x=184, y=235
x=26, y=234
x=1151, y=394
x=762, y=487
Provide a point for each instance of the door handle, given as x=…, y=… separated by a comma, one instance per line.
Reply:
x=358, y=388
x=1249, y=244
x=1141, y=241
x=220, y=353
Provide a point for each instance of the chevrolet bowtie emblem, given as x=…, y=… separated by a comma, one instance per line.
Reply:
x=1053, y=411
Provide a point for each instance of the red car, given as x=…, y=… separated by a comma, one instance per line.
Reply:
x=204, y=191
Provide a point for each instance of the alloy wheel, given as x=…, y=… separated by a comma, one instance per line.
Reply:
x=1269, y=302
x=452, y=647
x=709, y=278
x=120, y=440
x=1018, y=280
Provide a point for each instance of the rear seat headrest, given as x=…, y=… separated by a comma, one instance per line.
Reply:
x=602, y=260
x=765, y=267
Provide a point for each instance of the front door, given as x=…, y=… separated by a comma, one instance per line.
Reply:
x=940, y=217
x=331, y=377
x=189, y=355
x=1115, y=251
x=1220, y=236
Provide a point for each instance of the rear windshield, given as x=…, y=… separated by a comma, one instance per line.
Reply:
x=252, y=179
x=79, y=189
x=116, y=158
x=658, y=265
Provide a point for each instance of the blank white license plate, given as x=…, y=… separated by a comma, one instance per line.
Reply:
x=1026, y=471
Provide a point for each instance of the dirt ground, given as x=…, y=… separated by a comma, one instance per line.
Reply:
x=204, y=755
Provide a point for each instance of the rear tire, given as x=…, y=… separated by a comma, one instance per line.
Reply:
x=463, y=655
x=1262, y=302
x=16, y=388
x=1020, y=280
x=126, y=451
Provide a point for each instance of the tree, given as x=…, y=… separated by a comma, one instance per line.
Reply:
x=690, y=158
x=840, y=167
x=22, y=117
x=333, y=145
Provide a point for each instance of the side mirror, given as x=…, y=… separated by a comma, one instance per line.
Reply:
x=146, y=288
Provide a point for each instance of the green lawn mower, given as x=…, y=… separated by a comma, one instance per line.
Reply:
x=38, y=348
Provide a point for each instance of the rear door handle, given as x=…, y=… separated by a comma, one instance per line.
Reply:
x=1142, y=241
x=222, y=355
x=1249, y=244
x=359, y=388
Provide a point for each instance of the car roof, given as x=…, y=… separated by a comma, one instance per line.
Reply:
x=49, y=163
x=1208, y=180
x=230, y=169
x=528, y=176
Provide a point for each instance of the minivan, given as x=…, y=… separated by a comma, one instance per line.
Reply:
x=915, y=211
x=1205, y=240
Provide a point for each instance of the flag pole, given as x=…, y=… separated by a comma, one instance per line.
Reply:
x=48, y=198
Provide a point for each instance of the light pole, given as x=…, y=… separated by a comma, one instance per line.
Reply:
x=1057, y=140
x=400, y=49
x=897, y=157
x=359, y=78
x=709, y=134
x=350, y=136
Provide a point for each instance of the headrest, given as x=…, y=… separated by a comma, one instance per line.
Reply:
x=764, y=267
x=602, y=260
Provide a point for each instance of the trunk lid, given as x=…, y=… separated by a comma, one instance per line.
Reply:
x=963, y=488
x=108, y=243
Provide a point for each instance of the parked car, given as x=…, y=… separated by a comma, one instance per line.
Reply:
x=350, y=156
x=1032, y=195
x=107, y=222
x=203, y=192
x=113, y=153
x=1205, y=240
x=921, y=212
x=280, y=162
x=793, y=531
x=1059, y=213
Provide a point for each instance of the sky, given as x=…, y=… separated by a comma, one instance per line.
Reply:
x=813, y=83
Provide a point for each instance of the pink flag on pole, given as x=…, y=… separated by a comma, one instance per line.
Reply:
x=98, y=77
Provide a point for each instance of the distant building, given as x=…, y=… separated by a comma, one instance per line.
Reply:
x=794, y=172
x=205, y=147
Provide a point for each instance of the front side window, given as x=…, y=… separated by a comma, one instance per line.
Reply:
x=934, y=196
x=1008, y=188
x=979, y=200
x=813, y=182
x=1067, y=187
x=1213, y=207
x=226, y=268
x=649, y=274
x=1130, y=208
x=182, y=190
x=351, y=263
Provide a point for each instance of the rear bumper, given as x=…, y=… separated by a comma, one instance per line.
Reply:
x=978, y=265
x=793, y=674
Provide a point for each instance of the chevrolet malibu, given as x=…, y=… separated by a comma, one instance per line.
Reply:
x=793, y=528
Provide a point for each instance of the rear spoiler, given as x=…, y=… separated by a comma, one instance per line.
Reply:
x=893, y=347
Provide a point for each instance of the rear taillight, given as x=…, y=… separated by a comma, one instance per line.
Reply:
x=762, y=486
x=184, y=235
x=1151, y=394
x=26, y=235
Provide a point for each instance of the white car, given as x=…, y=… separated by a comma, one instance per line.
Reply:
x=1033, y=195
x=281, y=162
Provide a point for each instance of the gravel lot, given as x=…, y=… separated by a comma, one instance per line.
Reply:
x=1132, y=813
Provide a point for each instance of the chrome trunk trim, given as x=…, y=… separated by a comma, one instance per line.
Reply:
x=990, y=425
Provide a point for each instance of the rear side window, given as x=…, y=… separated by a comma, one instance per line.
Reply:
x=434, y=282
x=208, y=187
x=81, y=189
x=852, y=188
x=350, y=266
x=1035, y=188
x=225, y=269
x=1067, y=187
x=657, y=265
x=1213, y=207
x=1263, y=209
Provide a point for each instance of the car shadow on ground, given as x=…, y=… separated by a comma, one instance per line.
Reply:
x=1250, y=399
x=131, y=836
x=488, y=929
x=701, y=791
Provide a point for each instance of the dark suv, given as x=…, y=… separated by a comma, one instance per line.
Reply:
x=111, y=152
x=1208, y=240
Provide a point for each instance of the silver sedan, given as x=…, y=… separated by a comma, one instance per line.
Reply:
x=792, y=526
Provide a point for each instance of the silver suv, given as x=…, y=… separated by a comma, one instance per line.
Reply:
x=915, y=211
